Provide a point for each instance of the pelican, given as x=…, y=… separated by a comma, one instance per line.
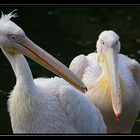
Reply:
x=113, y=82
x=44, y=105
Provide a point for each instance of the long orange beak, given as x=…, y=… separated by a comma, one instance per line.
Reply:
x=31, y=50
x=111, y=63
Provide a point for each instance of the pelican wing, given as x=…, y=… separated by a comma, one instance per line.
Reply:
x=134, y=66
x=78, y=65
x=93, y=70
x=86, y=68
x=66, y=109
x=83, y=115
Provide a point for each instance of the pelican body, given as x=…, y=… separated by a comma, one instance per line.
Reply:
x=44, y=105
x=113, y=82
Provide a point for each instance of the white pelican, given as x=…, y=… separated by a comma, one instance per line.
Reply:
x=44, y=105
x=113, y=82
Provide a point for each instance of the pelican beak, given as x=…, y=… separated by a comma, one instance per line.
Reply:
x=113, y=74
x=31, y=50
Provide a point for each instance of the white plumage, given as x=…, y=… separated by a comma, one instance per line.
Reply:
x=44, y=105
x=93, y=70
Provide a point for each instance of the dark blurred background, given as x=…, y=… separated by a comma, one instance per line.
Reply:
x=65, y=32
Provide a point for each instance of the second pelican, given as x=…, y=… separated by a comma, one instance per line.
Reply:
x=113, y=82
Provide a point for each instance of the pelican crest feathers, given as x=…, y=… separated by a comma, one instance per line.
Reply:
x=7, y=17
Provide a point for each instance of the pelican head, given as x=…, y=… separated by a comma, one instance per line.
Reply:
x=108, y=47
x=14, y=41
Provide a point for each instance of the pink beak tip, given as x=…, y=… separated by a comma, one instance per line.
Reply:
x=118, y=116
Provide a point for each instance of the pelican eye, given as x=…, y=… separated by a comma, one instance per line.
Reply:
x=103, y=42
x=12, y=37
